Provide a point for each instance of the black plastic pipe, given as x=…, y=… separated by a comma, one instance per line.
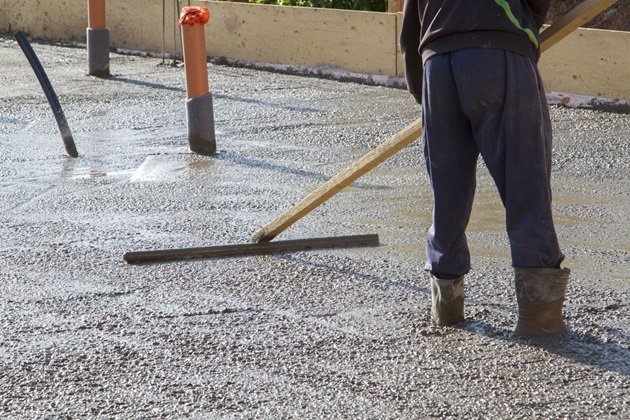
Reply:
x=66, y=135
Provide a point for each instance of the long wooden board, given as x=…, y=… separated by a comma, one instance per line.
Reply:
x=550, y=36
x=223, y=251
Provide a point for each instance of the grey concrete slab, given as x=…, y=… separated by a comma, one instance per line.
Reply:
x=321, y=334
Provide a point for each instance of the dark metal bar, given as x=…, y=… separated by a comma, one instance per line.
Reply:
x=223, y=251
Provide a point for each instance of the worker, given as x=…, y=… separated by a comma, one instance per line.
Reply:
x=473, y=68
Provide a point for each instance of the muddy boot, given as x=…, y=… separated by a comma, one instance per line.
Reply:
x=447, y=301
x=540, y=294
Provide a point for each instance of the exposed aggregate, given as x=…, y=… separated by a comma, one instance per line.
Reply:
x=319, y=334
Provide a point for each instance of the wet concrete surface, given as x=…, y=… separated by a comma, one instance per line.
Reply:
x=320, y=334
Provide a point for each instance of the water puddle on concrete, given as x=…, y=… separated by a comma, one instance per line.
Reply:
x=85, y=167
x=169, y=168
x=404, y=216
x=93, y=172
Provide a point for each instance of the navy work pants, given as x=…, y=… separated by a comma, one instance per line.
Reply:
x=489, y=102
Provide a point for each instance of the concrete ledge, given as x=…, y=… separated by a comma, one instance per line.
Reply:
x=358, y=41
x=588, y=62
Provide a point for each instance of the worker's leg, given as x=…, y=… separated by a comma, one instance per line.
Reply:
x=451, y=159
x=503, y=97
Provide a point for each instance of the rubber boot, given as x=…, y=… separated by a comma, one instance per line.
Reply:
x=540, y=295
x=447, y=301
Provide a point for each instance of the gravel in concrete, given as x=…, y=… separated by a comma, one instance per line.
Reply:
x=320, y=334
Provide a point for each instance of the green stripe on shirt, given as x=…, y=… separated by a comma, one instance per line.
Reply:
x=508, y=11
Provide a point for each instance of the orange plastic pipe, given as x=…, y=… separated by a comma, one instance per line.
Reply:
x=193, y=20
x=96, y=14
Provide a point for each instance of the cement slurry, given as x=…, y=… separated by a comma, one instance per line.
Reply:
x=321, y=334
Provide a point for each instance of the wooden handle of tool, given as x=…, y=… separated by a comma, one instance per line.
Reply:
x=372, y=159
x=575, y=18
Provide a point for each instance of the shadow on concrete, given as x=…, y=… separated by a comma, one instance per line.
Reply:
x=369, y=278
x=135, y=82
x=606, y=352
x=582, y=348
x=265, y=103
x=266, y=165
x=160, y=86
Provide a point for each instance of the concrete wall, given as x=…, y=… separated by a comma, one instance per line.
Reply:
x=64, y=20
x=588, y=62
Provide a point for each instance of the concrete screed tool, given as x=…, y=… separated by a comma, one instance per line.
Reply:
x=550, y=36
x=562, y=27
